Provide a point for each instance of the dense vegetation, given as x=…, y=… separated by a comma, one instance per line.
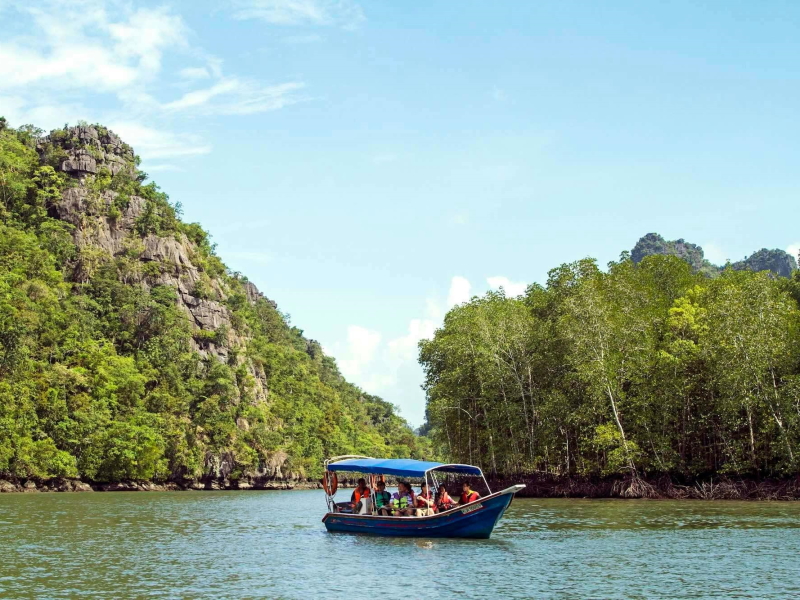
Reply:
x=646, y=369
x=101, y=374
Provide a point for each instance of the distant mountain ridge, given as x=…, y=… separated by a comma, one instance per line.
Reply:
x=777, y=261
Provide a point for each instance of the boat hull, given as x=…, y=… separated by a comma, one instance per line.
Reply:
x=474, y=520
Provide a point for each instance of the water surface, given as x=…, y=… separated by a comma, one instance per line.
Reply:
x=273, y=545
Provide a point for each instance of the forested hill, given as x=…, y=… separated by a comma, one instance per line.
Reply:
x=778, y=261
x=650, y=368
x=129, y=351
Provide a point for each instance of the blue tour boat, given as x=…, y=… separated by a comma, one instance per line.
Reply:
x=473, y=520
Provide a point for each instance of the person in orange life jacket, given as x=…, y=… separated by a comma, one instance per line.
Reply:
x=424, y=503
x=467, y=495
x=361, y=491
x=443, y=499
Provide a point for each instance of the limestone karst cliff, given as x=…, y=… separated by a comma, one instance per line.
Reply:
x=777, y=261
x=128, y=351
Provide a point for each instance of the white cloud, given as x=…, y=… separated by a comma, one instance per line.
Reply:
x=79, y=44
x=342, y=13
x=793, y=249
x=194, y=73
x=512, y=288
x=81, y=53
x=459, y=291
x=714, y=253
x=405, y=348
x=362, y=344
x=156, y=143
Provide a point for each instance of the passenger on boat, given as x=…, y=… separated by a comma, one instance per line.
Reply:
x=467, y=495
x=425, y=503
x=443, y=500
x=383, y=499
x=361, y=491
x=403, y=500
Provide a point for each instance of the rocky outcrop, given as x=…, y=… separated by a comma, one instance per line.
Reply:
x=777, y=261
x=104, y=226
x=80, y=162
x=86, y=149
x=653, y=243
x=7, y=487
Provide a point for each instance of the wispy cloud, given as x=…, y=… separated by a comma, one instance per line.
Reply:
x=194, y=73
x=234, y=96
x=84, y=44
x=95, y=52
x=793, y=249
x=157, y=143
x=341, y=13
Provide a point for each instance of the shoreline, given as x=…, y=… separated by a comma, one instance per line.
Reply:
x=656, y=488
x=12, y=486
x=537, y=486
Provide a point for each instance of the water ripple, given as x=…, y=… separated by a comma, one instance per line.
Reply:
x=273, y=545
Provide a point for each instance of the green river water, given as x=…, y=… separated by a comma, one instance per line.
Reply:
x=273, y=545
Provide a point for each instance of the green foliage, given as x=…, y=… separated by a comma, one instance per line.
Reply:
x=646, y=368
x=100, y=375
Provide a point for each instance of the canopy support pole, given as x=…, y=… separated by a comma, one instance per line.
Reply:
x=486, y=483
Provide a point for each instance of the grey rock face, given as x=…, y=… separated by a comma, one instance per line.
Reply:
x=86, y=151
x=7, y=487
x=79, y=162
x=166, y=249
x=89, y=149
x=207, y=314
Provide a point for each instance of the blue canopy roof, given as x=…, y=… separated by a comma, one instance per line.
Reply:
x=401, y=467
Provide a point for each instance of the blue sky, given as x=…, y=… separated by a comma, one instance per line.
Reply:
x=368, y=164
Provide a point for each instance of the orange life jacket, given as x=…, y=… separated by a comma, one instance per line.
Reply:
x=471, y=497
x=444, y=502
x=359, y=495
